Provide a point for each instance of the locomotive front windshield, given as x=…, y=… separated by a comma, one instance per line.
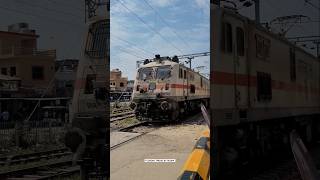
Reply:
x=150, y=73
x=163, y=72
x=146, y=73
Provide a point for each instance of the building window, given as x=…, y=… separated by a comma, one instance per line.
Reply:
x=97, y=44
x=292, y=64
x=37, y=72
x=89, y=83
x=264, y=86
x=121, y=84
x=240, y=41
x=13, y=71
x=4, y=71
x=226, y=40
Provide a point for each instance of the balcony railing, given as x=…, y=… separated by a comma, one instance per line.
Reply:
x=18, y=51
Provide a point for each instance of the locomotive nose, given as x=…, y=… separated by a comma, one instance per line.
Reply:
x=165, y=105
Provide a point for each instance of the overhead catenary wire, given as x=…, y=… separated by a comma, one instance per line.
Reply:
x=130, y=53
x=313, y=5
x=134, y=51
x=132, y=44
x=164, y=22
x=151, y=28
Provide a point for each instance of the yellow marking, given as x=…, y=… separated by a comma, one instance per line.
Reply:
x=199, y=160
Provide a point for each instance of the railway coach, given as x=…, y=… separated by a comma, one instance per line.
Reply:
x=164, y=89
x=262, y=87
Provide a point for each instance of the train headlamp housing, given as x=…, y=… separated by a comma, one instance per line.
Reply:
x=133, y=105
x=165, y=105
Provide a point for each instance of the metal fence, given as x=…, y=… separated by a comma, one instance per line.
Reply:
x=25, y=135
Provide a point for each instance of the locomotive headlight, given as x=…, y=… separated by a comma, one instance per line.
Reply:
x=133, y=105
x=165, y=105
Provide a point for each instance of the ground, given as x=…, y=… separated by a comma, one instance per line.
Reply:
x=168, y=142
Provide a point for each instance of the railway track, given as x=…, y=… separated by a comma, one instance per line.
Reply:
x=142, y=125
x=146, y=127
x=38, y=165
x=122, y=115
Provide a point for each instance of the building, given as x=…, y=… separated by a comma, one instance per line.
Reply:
x=20, y=58
x=66, y=72
x=117, y=82
x=26, y=72
x=130, y=85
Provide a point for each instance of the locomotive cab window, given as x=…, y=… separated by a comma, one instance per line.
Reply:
x=226, y=40
x=240, y=41
x=184, y=74
x=180, y=73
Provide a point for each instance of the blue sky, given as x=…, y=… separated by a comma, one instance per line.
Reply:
x=185, y=31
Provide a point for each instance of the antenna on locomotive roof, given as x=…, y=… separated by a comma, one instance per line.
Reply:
x=158, y=58
x=175, y=59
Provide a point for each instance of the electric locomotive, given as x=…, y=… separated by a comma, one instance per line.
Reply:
x=164, y=89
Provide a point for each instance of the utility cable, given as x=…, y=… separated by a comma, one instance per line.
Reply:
x=152, y=29
x=132, y=44
x=164, y=22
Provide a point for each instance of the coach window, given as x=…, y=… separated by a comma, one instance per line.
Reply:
x=184, y=74
x=292, y=64
x=223, y=37
x=89, y=83
x=264, y=86
x=240, y=41
x=201, y=83
x=180, y=73
x=266, y=47
x=192, y=89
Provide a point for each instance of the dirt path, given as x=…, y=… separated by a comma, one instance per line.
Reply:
x=169, y=142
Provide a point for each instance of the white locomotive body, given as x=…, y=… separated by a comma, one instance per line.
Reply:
x=261, y=75
x=164, y=89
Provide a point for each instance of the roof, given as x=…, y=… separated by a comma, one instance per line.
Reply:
x=18, y=34
x=162, y=63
